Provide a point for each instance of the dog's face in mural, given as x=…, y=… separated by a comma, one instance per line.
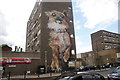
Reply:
x=57, y=18
x=59, y=37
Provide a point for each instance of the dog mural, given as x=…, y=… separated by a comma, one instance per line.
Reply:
x=59, y=41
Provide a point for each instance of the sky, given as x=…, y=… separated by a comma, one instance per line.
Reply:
x=89, y=16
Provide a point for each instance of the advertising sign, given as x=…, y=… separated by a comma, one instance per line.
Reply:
x=13, y=66
x=15, y=60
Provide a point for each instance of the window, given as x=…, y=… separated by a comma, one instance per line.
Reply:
x=71, y=21
x=37, y=43
x=38, y=25
x=39, y=15
x=35, y=10
x=35, y=35
x=39, y=32
x=33, y=26
x=105, y=39
x=28, y=23
x=105, y=36
x=69, y=7
x=28, y=45
x=38, y=50
x=71, y=36
x=113, y=40
x=106, y=46
x=32, y=33
x=73, y=52
x=104, y=33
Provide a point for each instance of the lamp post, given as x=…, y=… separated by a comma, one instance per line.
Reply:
x=75, y=60
x=46, y=61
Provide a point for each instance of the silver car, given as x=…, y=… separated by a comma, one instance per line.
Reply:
x=115, y=74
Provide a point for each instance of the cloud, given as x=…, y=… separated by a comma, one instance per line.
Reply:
x=85, y=49
x=16, y=13
x=78, y=43
x=98, y=12
x=2, y=25
x=3, y=31
x=80, y=47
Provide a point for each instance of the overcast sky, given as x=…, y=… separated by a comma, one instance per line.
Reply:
x=14, y=15
x=89, y=16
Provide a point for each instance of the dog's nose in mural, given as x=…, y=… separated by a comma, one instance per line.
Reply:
x=59, y=38
x=59, y=20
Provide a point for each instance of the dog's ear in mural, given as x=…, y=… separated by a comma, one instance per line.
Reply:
x=59, y=41
x=67, y=16
x=67, y=12
x=47, y=13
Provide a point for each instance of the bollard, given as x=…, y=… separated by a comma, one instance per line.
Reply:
x=9, y=74
x=38, y=74
x=50, y=74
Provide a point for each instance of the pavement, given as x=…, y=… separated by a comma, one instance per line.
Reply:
x=38, y=76
x=28, y=77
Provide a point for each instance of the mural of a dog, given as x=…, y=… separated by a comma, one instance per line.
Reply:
x=59, y=41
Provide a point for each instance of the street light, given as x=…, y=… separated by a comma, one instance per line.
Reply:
x=46, y=61
x=73, y=53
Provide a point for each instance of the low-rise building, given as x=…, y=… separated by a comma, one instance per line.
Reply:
x=100, y=57
x=88, y=58
x=106, y=56
x=21, y=68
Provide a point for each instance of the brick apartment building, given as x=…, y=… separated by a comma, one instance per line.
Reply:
x=38, y=36
x=103, y=40
x=105, y=47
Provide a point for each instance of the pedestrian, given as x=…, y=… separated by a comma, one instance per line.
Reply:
x=3, y=73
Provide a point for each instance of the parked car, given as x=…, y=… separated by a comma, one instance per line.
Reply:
x=82, y=68
x=115, y=74
x=91, y=67
x=81, y=76
x=88, y=67
x=109, y=65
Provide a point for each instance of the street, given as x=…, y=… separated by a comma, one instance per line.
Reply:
x=104, y=73
x=48, y=76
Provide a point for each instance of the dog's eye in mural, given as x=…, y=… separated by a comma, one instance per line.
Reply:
x=62, y=15
x=53, y=14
